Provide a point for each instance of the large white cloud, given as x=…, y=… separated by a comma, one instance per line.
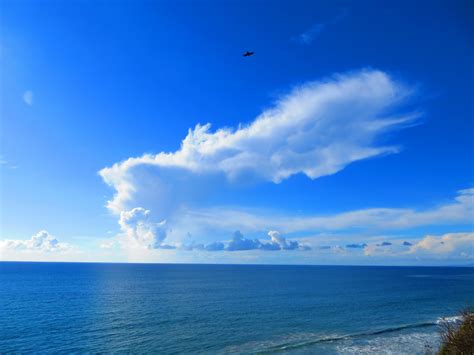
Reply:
x=317, y=130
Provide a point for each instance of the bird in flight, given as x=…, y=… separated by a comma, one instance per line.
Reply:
x=248, y=54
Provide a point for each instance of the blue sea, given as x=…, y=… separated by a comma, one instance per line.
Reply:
x=163, y=308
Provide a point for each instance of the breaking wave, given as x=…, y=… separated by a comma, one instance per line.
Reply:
x=423, y=333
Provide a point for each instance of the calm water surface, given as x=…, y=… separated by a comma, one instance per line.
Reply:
x=80, y=307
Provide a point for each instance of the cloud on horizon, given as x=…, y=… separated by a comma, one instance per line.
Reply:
x=41, y=246
x=454, y=246
x=317, y=130
x=458, y=211
x=138, y=232
x=41, y=241
x=450, y=243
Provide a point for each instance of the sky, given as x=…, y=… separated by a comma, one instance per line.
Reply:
x=135, y=131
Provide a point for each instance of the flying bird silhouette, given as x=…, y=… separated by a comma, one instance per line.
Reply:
x=248, y=54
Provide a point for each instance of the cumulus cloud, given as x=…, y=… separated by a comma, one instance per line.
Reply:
x=451, y=243
x=277, y=239
x=238, y=242
x=216, y=246
x=387, y=249
x=42, y=242
x=278, y=242
x=139, y=231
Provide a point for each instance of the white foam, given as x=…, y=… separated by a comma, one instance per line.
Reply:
x=412, y=343
x=453, y=319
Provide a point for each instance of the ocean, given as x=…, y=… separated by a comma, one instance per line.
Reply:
x=217, y=309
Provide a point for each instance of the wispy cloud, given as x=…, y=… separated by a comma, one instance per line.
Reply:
x=309, y=35
x=316, y=29
x=458, y=211
x=28, y=97
x=7, y=164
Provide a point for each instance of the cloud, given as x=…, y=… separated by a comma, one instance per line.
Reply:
x=6, y=164
x=315, y=30
x=324, y=247
x=278, y=242
x=139, y=231
x=449, y=245
x=460, y=210
x=446, y=244
x=356, y=246
x=41, y=242
x=28, y=97
x=216, y=246
x=238, y=242
x=281, y=242
x=308, y=36
x=317, y=129
x=108, y=244
x=396, y=248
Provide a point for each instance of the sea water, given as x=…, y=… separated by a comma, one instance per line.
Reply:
x=164, y=308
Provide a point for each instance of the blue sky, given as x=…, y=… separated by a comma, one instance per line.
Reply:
x=86, y=85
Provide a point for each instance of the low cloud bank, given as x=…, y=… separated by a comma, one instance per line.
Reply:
x=40, y=242
x=450, y=245
x=139, y=232
x=40, y=247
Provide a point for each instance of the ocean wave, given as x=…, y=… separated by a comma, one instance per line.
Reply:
x=453, y=319
x=298, y=341
x=417, y=342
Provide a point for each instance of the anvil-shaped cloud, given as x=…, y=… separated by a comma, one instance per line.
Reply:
x=316, y=130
